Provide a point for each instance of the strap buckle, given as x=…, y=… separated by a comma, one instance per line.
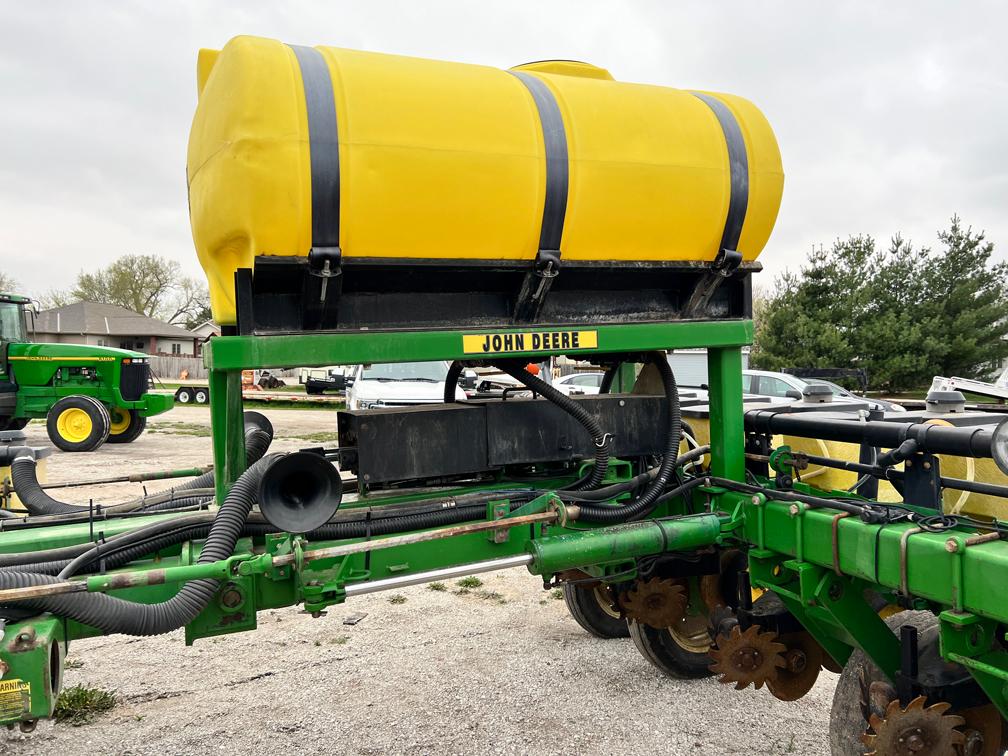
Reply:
x=536, y=286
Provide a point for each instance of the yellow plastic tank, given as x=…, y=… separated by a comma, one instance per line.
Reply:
x=392, y=157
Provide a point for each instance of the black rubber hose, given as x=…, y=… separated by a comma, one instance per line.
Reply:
x=134, y=544
x=257, y=443
x=451, y=381
x=601, y=439
x=115, y=615
x=648, y=500
x=608, y=377
x=26, y=485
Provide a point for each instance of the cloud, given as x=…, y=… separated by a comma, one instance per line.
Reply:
x=890, y=116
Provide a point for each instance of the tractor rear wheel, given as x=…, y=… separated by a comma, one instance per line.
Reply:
x=78, y=423
x=592, y=608
x=126, y=426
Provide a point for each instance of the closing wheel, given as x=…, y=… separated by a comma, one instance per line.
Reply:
x=592, y=608
x=126, y=425
x=77, y=423
x=863, y=690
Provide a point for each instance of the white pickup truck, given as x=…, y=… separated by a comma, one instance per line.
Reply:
x=397, y=384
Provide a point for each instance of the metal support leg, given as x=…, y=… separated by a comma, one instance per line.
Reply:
x=226, y=423
x=727, y=434
x=626, y=376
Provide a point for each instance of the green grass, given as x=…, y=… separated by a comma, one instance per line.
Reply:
x=181, y=429
x=397, y=598
x=80, y=704
x=556, y=593
x=469, y=582
x=437, y=587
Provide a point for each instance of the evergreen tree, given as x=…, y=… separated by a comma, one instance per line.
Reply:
x=903, y=314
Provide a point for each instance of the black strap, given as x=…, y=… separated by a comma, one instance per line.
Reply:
x=738, y=161
x=323, y=147
x=557, y=168
x=547, y=263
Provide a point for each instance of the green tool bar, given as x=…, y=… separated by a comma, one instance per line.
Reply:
x=947, y=567
x=622, y=543
x=328, y=348
x=117, y=580
x=188, y=472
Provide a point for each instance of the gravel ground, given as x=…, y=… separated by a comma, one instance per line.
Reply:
x=440, y=672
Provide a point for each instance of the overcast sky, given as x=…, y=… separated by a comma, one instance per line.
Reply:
x=890, y=116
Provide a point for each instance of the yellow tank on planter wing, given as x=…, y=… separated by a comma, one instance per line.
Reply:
x=427, y=160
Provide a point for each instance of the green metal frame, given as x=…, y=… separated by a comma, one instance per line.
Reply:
x=227, y=356
x=819, y=562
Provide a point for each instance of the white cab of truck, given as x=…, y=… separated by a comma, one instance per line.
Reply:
x=398, y=384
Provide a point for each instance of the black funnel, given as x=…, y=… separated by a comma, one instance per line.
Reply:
x=300, y=492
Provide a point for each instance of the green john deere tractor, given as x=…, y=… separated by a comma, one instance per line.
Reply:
x=87, y=394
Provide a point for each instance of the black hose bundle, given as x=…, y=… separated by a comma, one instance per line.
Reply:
x=601, y=439
x=115, y=615
x=26, y=485
x=648, y=500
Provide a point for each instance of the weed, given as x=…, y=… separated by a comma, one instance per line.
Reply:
x=491, y=596
x=397, y=598
x=80, y=704
x=73, y=664
x=437, y=587
x=469, y=582
x=339, y=640
x=556, y=593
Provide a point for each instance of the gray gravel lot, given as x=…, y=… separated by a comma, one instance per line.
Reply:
x=438, y=673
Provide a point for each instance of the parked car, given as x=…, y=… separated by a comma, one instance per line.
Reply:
x=579, y=383
x=398, y=384
x=785, y=386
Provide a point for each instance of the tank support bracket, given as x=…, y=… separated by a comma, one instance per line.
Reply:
x=536, y=285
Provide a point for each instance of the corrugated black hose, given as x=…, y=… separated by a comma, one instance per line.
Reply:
x=601, y=439
x=115, y=615
x=648, y=500
x=26, y=485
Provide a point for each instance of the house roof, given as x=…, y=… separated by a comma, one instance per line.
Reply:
x=206, y=329
x=93, y=318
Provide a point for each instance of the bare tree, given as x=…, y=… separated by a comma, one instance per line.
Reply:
x=149, y=284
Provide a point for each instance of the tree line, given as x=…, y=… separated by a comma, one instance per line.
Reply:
x=148, y=284
x=902, y=313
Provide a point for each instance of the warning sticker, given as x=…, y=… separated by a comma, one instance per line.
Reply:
x=15, y=697
x=530, y=341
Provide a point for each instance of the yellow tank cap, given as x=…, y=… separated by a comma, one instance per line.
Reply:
x=204, y=65
x=566, y=68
